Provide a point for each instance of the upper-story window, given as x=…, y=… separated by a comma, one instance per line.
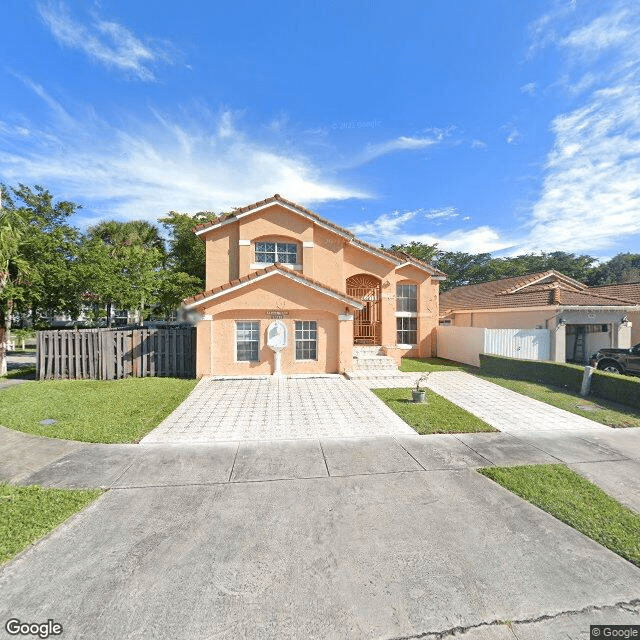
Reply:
x=270, y=252
x=406, y=297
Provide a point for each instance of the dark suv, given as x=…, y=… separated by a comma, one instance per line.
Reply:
x=618, y=360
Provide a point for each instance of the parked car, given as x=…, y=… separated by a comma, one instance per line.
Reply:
x=618, y=360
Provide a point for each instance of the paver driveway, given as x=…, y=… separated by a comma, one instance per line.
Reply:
x=269, y=408
x=506, y=410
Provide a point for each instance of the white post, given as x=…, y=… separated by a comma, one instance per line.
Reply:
x=586, y=381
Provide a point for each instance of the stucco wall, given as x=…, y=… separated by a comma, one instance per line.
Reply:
x=251, y=303
x=326, y=257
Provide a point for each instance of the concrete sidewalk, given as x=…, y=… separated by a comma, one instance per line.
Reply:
x=371, y=546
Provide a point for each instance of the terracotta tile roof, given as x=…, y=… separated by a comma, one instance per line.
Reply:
x=393, y=256
x=547, y=288
x=405, y=257
x=203, y=295
x=629, y=291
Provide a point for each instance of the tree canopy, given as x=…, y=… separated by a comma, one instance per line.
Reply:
x=47, y=265
x=469, y=268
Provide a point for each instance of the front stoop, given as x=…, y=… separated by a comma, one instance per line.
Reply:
x=375, y=369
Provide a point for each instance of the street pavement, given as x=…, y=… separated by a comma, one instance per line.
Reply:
x=394, y=537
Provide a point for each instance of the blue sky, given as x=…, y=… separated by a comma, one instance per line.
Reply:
x=497, y=126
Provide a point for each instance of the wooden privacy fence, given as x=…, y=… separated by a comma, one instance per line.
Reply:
x=108, y=354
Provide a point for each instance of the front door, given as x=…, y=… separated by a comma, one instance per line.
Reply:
x=367, y=325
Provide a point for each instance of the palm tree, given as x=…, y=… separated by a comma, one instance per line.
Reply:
x=140, y=249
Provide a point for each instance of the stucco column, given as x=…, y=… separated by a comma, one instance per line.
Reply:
x=345, y=341
x=388, y=315
x=307, y=258
x=427, y=319
x=622, y=335
x=244, y=257
x=558, y=342
x=204, y=350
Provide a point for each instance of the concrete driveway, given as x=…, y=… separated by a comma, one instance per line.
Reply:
x=337, y=538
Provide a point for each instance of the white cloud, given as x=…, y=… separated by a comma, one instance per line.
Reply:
x=385, y=226
x=106, y=42
x=608, y=30
x=590, y=197
x=403, y=228
x=591, y=191
x=513, y=135
x=529, y=89
x=147, y=166
x=447, y=213
x=402, y=143
x=478, y=144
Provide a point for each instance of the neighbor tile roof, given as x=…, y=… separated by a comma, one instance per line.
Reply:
x=393, y=256
x=630, y=291
x=546, y=288
x=203, y=295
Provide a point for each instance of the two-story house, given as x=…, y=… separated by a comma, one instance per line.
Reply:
x=279, y=274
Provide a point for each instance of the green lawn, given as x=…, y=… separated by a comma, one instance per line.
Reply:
x=577, y=502
x=436, y=415
x=92, y=410
x=598, y=410
x=28, y=513
x=431, y=364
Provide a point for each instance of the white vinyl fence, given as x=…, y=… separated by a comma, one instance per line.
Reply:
x=465, y=344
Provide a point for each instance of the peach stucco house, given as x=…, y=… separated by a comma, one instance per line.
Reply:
x=282, y=280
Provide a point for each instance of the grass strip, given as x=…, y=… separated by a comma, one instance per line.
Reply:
x=436, y=415
x=575, y=501
x=411, y=365
x=28, y=513
x=92, y=410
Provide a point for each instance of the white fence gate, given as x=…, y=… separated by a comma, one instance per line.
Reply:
x=465, y=344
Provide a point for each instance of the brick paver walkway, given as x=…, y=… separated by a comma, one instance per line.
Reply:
x=220, y=410
x=504, y=409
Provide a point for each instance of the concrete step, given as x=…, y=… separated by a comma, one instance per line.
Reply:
x=371, y=363
x=366, y=350
x=361, y=374
x=382, y=379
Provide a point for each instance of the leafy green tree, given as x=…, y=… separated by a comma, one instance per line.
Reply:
x=469, y=268
x=186, y=250
x=130, y=255
x=49, y=246
x=622, y=268
x=424, y=252
x=172, y=288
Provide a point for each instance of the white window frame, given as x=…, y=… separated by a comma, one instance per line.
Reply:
x=295, y=340
x=296, y=266
x=403, y=315
x=398, y=298
x=235, y=342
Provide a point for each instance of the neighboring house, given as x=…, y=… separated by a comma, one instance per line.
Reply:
x=630, y=291
x=580, y=319
x=278, y=273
